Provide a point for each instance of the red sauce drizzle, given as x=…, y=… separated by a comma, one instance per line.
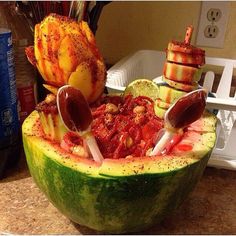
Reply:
x=74, y=109
x=184, y=147
x=187, y=109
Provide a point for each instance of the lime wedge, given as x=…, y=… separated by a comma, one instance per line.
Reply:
x=142, y=87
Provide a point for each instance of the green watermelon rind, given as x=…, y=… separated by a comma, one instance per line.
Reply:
x=120, y=196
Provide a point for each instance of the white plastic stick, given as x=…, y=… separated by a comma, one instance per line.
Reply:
x=160, y=146
x=93, y=148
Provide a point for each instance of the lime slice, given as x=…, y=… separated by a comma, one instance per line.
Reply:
x=142, y=87
x=160, y=112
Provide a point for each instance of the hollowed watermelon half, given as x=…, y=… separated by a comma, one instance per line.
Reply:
x=121, y=195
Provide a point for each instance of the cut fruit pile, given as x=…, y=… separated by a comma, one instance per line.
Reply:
x=181, y=72
x=52, y=125
x=181, y=75
x=65, y=52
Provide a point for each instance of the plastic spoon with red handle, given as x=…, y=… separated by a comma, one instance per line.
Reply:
x=182, y=113
x=76, y=115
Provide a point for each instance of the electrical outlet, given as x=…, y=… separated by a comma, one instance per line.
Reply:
x=213, y=24
x=214, y=14
x=211, y=31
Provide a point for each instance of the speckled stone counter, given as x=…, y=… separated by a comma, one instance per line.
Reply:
x=209, y=209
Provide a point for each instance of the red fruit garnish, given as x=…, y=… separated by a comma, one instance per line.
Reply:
x=73, y=108
x=29, y=51
x=182, y=113
x=76, y=115
x=187, y=109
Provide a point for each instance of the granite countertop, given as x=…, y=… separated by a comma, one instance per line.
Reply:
x=209, y=209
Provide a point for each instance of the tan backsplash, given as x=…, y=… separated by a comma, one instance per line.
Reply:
x=125, y=27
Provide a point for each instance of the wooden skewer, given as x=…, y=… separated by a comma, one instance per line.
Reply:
x=188, y=35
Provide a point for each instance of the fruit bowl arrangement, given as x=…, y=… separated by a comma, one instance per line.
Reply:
x=110, y=162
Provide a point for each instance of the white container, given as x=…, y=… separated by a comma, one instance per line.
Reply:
x=141, y=64
x=149, y=64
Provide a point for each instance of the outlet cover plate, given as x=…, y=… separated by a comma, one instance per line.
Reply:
x=218, y=41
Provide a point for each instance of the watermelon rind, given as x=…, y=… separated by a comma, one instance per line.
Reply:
x=122, y=195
